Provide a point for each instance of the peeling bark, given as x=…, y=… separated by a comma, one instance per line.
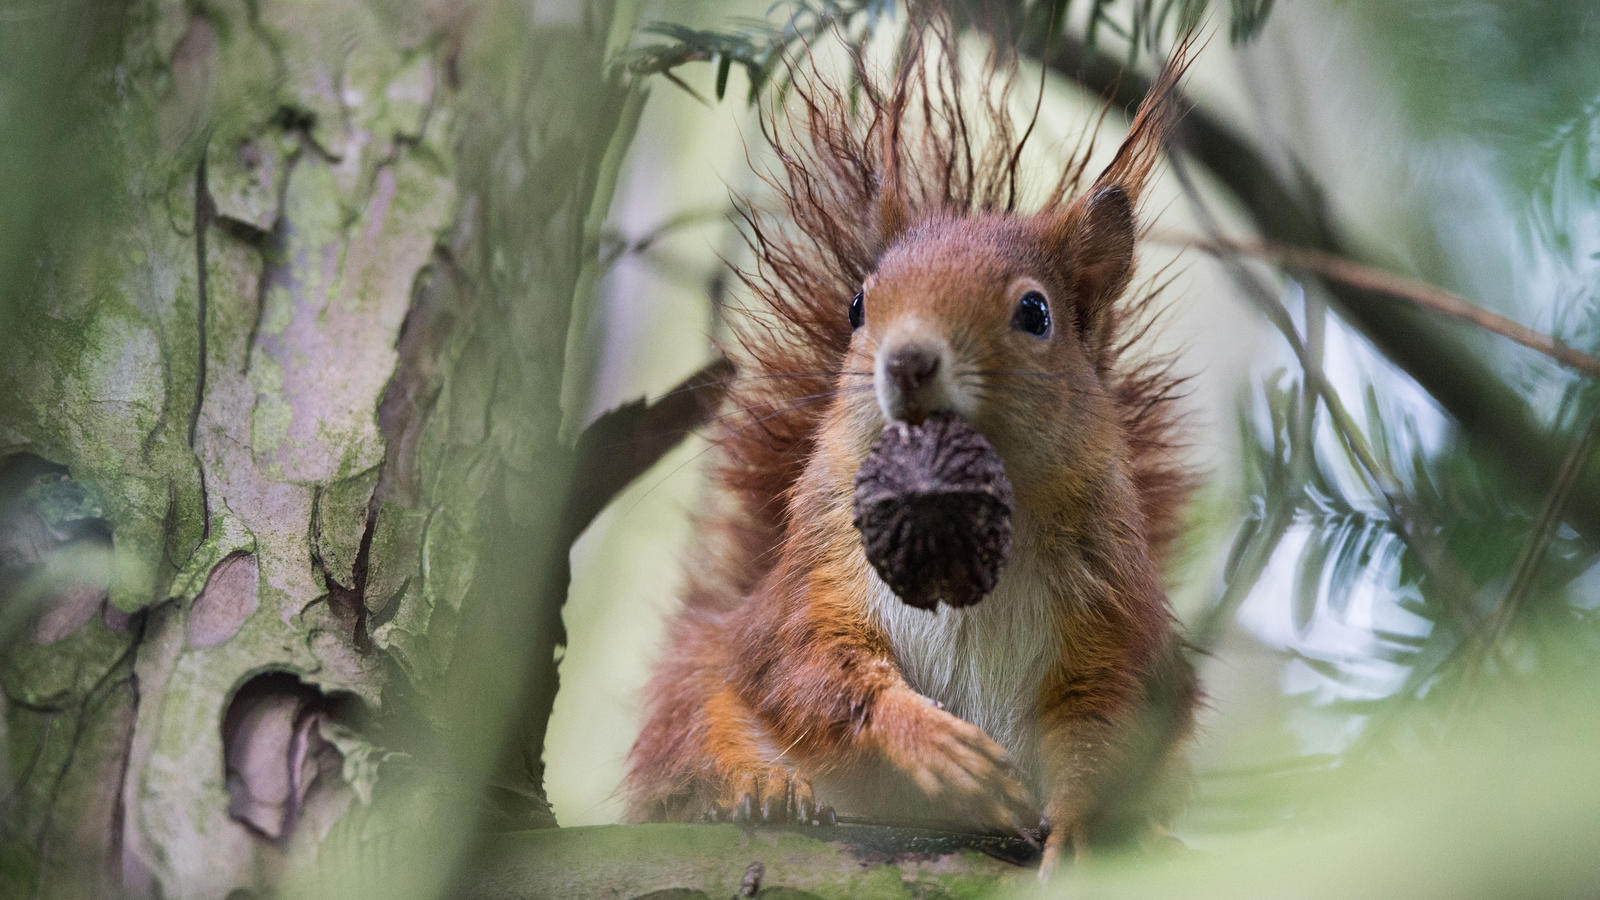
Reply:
x=303, y=375
x=274, y=751
x=207, y=368
x=231, y=594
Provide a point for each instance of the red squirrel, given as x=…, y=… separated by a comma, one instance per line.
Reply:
x=900, y=281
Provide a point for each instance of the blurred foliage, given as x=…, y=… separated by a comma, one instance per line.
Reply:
x=1522, y=88
x=765, y=48
x=1523, y=78
x=761, y=47
x=1444, y=556
x=1435, y=534
x=61, y=88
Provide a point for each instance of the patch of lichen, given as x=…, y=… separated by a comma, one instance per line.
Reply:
x=61, y=674
x=341, y=520
x=91, y=390
x=421, y=635
x=396, y=538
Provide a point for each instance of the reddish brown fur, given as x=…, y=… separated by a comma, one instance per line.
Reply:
x=778, y=672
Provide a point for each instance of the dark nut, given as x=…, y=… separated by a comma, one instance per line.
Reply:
x=933, y=506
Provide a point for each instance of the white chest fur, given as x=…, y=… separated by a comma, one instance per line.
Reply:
x=986, y=662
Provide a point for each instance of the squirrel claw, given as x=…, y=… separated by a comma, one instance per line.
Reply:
x=774, y=797
x=807, y=811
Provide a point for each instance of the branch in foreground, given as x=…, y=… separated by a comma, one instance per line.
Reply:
x=701, y=861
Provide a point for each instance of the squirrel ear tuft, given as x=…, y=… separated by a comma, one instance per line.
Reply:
x=894, y=213
x=894, y=196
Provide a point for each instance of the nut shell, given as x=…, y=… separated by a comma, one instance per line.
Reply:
x=933, y=505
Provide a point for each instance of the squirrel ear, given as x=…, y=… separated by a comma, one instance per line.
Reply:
x=1102, y=246
x=1095, y=239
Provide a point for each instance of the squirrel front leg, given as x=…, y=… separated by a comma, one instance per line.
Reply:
x=1087, y=715
x=825, y=683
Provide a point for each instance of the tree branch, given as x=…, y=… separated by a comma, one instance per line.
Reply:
x=1369, y=278
x=624, y=443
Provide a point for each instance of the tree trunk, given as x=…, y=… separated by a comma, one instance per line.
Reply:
x=280, y=431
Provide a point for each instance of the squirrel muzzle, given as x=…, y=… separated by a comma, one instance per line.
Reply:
x=913, y=377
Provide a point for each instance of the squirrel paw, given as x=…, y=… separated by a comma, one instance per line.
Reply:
x=774, y=797
x=956, y=765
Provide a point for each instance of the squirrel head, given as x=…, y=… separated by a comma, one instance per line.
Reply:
x=1005, y=321
x=896, y=278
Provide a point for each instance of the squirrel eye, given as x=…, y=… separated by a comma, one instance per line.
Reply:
x=1032, y=315
x=858, y=310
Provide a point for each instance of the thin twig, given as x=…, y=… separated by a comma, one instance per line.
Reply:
x=1369, y=278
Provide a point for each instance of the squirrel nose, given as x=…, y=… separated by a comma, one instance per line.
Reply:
x=911, y=367
x=911, y=383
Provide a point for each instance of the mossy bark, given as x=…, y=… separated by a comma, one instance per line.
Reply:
x=281, y=427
